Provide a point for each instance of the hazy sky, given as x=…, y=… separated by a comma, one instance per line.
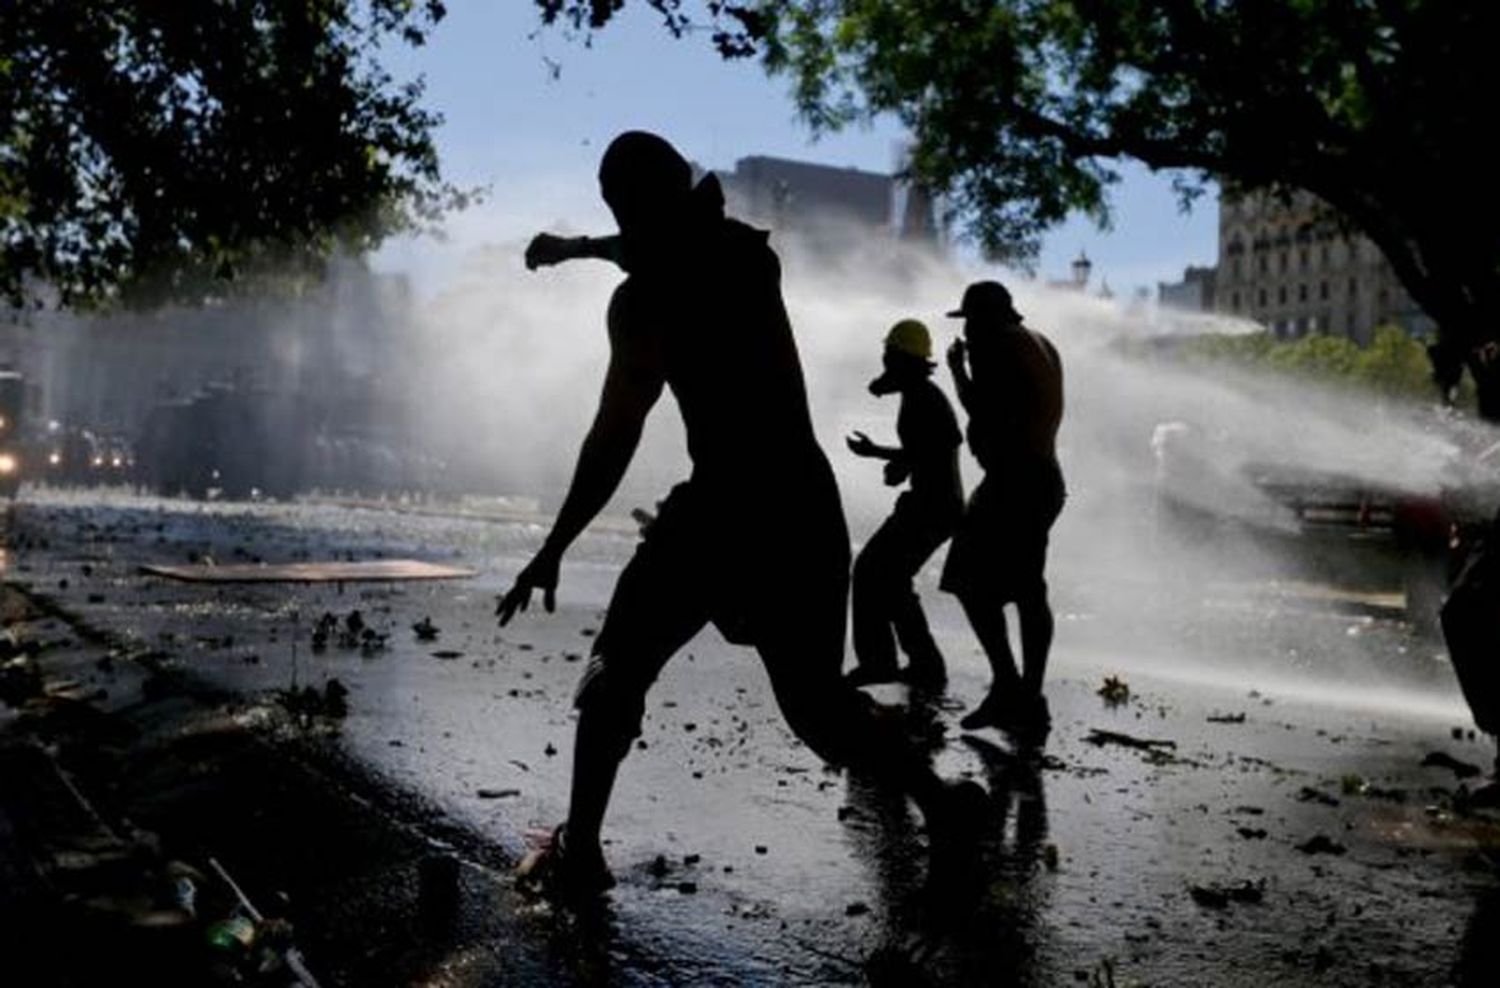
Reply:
x=528, y=113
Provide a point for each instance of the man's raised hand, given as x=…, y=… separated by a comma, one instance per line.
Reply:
x=547, y=249
x=861, y=445
x=957, y=354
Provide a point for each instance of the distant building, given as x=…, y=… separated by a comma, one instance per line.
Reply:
x=1287, y=265
x=105, y=372
x=1194, y=293
x=829, y=206
x=1079, y=273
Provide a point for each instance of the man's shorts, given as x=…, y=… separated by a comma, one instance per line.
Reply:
x=756, y=569
x=1000, y=549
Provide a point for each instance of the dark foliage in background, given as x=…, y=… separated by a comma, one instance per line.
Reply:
x=154, y=150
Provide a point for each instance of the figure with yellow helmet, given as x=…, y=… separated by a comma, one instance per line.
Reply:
x=887, y=610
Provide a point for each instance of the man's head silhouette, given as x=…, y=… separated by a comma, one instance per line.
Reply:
x=647, y=185
x=986, y=305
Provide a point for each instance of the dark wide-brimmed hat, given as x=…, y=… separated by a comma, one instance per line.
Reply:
x=987, y=301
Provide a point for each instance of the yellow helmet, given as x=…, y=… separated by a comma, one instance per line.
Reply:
x=910, y=336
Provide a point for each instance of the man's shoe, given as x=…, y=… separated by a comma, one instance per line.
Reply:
x=554, y=870
x=867, y=676
x=1027, y=720
x=990, y=713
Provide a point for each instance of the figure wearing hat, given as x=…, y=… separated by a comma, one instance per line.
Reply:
x=886, y=607
x=1009, y=380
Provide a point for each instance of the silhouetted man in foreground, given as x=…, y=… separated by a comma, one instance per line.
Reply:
x=1014, y=398
x=925, y=516
x=754, y=541
x=1471, y=630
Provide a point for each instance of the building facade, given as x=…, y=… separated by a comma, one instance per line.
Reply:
x=1285, y=264
x=1194, y=293
x=827, y=206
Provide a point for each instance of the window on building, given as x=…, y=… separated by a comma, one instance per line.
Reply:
x=1324, y=256
x=1262, y=298
x=1323, y=290
x=1302, y=292
x=1349, y=323
x=1281, y=295
x=1234, y=302
x=1302, y=258
x=1262, y=264
x=1281, y=263
x=1234, y=267
x=1353, y=288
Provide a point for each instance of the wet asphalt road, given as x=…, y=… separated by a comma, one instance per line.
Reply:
x=741, y=859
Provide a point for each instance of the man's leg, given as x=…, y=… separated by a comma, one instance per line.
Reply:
x=841, y=725
x=924, y=658
x=987, y=617
x=1037, y=626
x=654, y=611
x=874, y=642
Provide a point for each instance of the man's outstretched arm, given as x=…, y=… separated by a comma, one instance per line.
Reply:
x=547, y=249
x=631, y=386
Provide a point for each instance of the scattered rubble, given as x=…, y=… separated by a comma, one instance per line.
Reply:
x=309, y=704
x=1321, y=844
x=349, y=634
x=1461, y=769
x=1220, y=896
x=1114, y=692
x=425, y=630
x=1307, y=794
x=1099, y=738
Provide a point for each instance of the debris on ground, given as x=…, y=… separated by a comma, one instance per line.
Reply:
x=349, y=634
x=308, y=704
x=1308, y=794
x=496, y=793
x=1252, y=833
x=1220, y=896
x=1321, y=844
x=1100, y=738
x=1441, y=759
x=425, y=630
x=447, y=653
x=1114, y=692
x=1238, y=718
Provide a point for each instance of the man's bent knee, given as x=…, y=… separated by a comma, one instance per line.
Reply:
x=611, y=704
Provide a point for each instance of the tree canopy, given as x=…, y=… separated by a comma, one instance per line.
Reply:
x=1020, y=109
x=163, y=150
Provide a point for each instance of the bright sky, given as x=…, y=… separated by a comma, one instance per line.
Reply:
x=527, y=113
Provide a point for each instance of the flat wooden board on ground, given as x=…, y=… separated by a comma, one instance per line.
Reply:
x=324, y=572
